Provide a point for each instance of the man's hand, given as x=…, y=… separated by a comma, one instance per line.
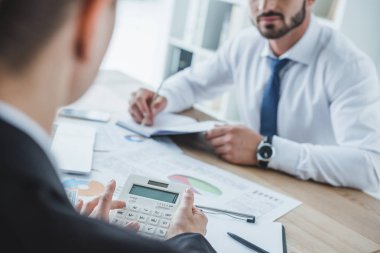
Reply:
x=235, y=144
x=142, y=108
x=188, y=218
x=101, y=206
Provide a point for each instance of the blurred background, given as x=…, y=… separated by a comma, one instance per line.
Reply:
x=154, y=39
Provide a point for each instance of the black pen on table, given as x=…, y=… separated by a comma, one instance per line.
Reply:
x=247, y=217
x=156, y=94
x=247, y=243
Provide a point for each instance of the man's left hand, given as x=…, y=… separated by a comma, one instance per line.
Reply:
x=235, y=143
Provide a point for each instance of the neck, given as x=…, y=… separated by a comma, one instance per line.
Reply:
x=34, y=94
x=281, y=45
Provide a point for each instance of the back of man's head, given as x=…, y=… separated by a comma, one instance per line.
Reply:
x=25, y=26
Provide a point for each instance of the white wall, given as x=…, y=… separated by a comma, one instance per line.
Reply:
x=139, y=43
x=361, y=24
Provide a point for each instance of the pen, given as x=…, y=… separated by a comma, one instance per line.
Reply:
x=247, y=243
x=156, y=94
x=248, y=217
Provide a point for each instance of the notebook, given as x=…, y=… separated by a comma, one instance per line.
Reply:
x=169, y=124
x=73, y=146
x=269, y=236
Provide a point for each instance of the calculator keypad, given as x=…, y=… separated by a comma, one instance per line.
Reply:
x=153, y=223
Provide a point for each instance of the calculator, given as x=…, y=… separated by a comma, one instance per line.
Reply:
x=150, y=202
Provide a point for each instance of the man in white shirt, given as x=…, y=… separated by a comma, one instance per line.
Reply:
x=307, y=96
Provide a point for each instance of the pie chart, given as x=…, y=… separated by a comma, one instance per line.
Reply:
x=88, y=188
x=197, y=185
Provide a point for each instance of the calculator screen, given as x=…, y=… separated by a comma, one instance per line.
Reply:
x=147, y=192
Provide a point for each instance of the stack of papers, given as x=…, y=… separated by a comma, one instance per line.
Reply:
x=169, y=124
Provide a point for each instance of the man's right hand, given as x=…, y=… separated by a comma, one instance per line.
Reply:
x=188, y=218
x=142, y=108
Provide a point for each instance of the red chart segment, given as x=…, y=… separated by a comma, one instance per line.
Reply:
x=197, y=185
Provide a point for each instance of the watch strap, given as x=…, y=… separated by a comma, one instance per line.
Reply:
x=264, y=164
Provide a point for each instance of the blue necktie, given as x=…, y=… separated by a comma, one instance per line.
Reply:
x=271, y=97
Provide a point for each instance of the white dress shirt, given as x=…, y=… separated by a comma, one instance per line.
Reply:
x=329, y=108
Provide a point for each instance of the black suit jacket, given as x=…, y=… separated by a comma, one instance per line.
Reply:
x=36, y=215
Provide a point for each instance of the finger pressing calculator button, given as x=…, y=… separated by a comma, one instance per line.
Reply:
x=149, y=229
x=142, y=218
x=153, y=220
x=168, y=215
x=164, y=223
x=157, y=213
x=161, y=232
x=141, y=228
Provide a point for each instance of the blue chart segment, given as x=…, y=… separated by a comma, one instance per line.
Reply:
x=198, y=186
x=135, y=138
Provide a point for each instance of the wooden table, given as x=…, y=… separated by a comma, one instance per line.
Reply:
x=330, y=219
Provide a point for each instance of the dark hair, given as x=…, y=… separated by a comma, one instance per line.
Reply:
x=25, y=26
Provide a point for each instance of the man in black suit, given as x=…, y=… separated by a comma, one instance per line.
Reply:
x=50, y=51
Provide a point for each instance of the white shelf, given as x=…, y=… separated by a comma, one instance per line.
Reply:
x=237, y=2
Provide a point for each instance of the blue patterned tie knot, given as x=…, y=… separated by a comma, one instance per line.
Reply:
x=271, y=96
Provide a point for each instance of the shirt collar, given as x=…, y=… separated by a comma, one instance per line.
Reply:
x=304, y=50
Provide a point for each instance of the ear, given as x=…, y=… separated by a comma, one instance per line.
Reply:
x=88, y=21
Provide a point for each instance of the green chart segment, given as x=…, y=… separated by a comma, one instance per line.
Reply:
x=198, y=186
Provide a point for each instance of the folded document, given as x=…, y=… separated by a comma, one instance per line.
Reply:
x=169, y=124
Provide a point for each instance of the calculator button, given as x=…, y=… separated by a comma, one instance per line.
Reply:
x=153, y=220
x=157, y=213
x=120, y=213
x=164, y=223
x=142, y=218
x=130, y=216
x=135, y=208
x=146, y=210
x=161, y=232
x=149, y=229
x=168, y=215
x=116, y=221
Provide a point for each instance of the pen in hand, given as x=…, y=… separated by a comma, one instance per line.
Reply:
x=155, y=96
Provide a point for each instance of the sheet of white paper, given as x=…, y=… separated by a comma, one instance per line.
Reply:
x=167, y=124
x=73, y=146
x=267, y=236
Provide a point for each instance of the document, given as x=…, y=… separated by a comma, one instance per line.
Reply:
x=268, y=236
x=73, y=146
x=168, y=124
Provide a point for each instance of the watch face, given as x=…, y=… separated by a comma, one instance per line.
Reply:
x=266, y=152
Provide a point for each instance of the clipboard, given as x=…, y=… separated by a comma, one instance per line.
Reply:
x=270, y=236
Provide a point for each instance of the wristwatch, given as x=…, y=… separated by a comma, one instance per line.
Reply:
x=265, y=151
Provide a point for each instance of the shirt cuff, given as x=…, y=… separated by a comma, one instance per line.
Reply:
x=286, y=156
x=169, y=99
